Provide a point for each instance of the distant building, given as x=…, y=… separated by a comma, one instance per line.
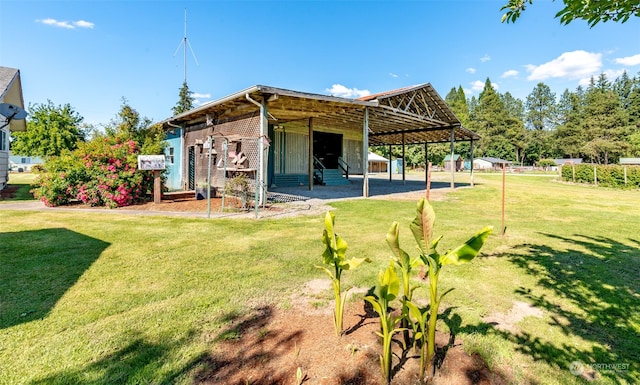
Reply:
x=490, y=163
x=377, y=163
x=562, y=162
x=23, y=163
x=630, y=161
x=458, y=162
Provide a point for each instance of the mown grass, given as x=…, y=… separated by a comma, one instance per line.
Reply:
x=96, y=298
x=23, y=182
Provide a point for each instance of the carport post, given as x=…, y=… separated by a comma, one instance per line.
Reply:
x=365, y=152
x=311, y=154
x=404, y=164
x=426, y=161
x=390, y=165
x=451, y=163
x=471, y=151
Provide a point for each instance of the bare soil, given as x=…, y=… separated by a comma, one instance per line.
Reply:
x=268, y=345
x=9, y=191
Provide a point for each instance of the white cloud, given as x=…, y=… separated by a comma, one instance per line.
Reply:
x=485, y=58
x=629, y=60
x=571, y=65
x=510, y=74
x=83, y=24
x=611, y=76
x=478, y=85
x=344, y=92
x=197, y=95
x=471, y=70
x=66, y=24
x=393, y=75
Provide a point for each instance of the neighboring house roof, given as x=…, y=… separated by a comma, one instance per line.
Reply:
x=411, y=115
x=456, y=157
x=11, y=92
x=376, y=158
x=493, y=160
x=560, y=162
x=629, y=160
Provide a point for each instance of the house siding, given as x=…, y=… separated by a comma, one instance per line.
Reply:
x=4, y=157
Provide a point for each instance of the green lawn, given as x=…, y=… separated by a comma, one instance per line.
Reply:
x=108, y=298
x=23, y=181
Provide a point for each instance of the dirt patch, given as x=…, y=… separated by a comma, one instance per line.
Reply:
x=268, y=345
x=518, y=312
x=9, y=191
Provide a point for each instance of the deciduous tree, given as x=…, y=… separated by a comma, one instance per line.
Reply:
x=592, y=12
x=50, y=130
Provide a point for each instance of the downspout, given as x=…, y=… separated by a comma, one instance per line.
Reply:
x=181, y=151
x=260, y=176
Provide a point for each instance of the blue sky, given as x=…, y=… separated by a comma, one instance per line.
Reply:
x=91, y=54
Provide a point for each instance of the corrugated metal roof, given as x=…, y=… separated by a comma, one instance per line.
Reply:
x=415, y=114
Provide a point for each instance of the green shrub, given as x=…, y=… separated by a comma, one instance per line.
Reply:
x=611, y=175
x=102, y=172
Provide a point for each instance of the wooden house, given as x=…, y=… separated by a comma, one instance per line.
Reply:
x=280, y=137
x=11, y=93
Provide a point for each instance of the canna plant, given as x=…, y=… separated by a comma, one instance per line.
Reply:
x=386, y=291
x=406, y=264
x=334, y=256
x=422, y=229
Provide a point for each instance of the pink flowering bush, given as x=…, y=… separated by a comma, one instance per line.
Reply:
x=103, y=172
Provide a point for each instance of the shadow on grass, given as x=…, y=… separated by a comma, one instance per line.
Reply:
x=139, y=362
x=38, y=267
x=598, y=276
x=252, y=345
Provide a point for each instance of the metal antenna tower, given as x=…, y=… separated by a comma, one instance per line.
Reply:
x=184, y=43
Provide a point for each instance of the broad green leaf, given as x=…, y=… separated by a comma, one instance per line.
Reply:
x=353, y=263
x=414, y=312
x=467, y=251
x=390, y=282
x=422, y=225
x=393, y=240
x=341, y=246
x=376, y=306
x=329, y=273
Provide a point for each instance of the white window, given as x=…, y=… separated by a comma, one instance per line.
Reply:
x=170, y=156
x=3, y=140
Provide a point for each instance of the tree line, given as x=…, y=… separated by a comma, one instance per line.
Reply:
x=599, y=123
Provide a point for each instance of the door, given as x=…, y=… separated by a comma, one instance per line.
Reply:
x=192, y=168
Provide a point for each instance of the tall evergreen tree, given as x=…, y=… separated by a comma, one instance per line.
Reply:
x=495, y=125
x=185, y=102
x=605, y=123
x=541, y=108
x=568, y=137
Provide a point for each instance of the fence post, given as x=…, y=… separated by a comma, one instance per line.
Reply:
x=595, y=174
x=573, y=173
x=625, y=175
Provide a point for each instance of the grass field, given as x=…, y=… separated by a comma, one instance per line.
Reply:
x=101, y=299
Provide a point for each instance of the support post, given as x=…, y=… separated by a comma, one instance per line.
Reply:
x=157, y=187
x=390, y=160
x=426, y=161
x=311, y=154
x=404, y=164
x=451, y=162
x=504, y=169
x=365, y=153
x=471, y=151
